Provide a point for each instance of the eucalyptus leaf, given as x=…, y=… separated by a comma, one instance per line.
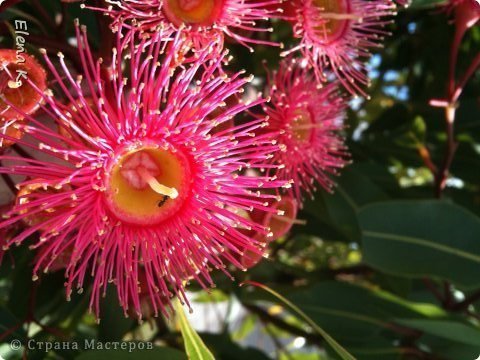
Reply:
x=194, y=345
x=422, y=238
x=147, y=354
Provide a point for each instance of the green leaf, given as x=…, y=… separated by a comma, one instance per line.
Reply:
x=215, y=296
x=390, y=119
x=9, y=323
x=354, y=313
x=397, y=285
x=113, y=325
x=450, y=349
x=467, y=163
x=420, y=4
x=344, y=354
x=450, y=330
x=371, y=352
x=422, y=238
x=339, y=210
x=146, y=354
x=22, y=285
x=304, y=356
x=194, y=345
x=467, y=120
x=246, y=328
x=419, y=128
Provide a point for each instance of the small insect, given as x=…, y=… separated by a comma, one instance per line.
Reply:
x=163, y=201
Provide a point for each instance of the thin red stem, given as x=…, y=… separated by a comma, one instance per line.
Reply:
x=10, y=331
x=442, y=174
x=468, y=74
x=453, y=62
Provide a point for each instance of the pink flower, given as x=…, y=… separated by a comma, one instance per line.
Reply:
x=199, y=20
x=12, y=132
x=309, y=118
x=279, y=222
x=337, y=36
x=14, y=69
x=137, y=182
x=474, y=3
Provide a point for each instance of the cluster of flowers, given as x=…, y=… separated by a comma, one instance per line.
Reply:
x=154, y=168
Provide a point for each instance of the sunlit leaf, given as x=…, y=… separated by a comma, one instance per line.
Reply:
x=194, y=345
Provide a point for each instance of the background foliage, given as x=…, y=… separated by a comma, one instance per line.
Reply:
x=386, y=266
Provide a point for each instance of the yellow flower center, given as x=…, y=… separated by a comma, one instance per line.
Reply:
x=336, y=17
x=147, y=185
x=193, y=12
x=302, y=125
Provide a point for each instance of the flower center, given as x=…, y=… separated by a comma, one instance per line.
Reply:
x=302, y=126
x=147, y=185
x=335, y=17
x=193, y=12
